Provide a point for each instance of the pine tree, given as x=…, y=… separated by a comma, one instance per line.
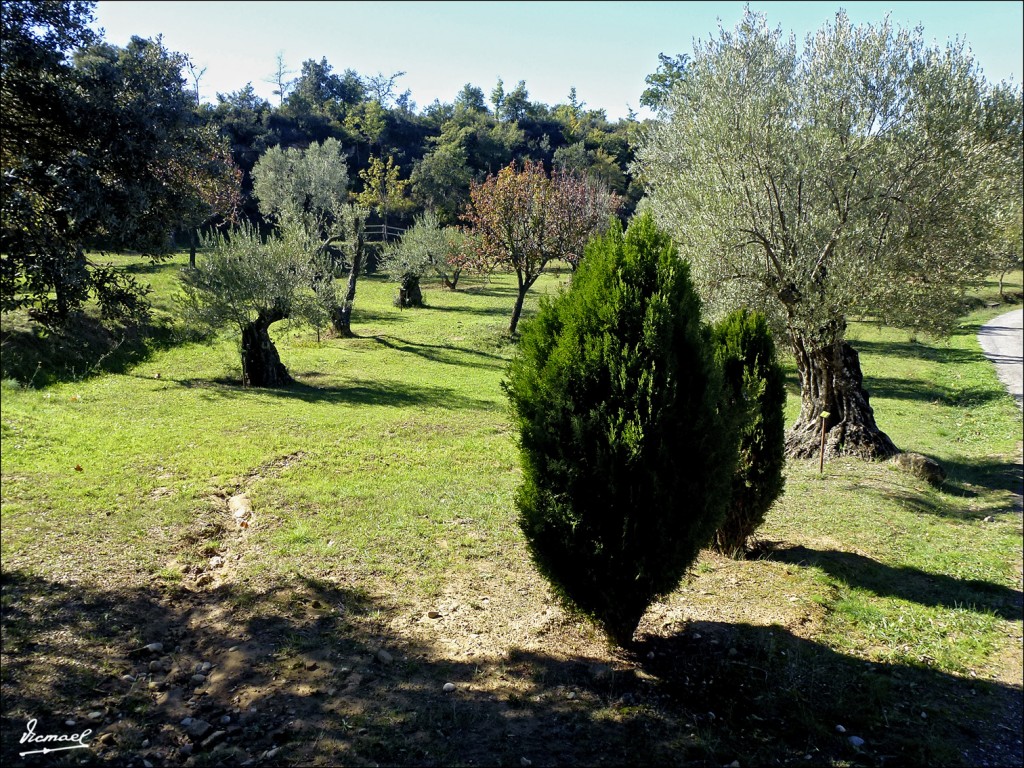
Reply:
x=756, y=392
x=626, y=458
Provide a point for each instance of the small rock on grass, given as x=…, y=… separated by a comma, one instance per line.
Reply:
x=856, y=741
x=384, y=657
x=449, y=687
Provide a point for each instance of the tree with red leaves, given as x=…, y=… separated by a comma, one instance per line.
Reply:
x=524, y=219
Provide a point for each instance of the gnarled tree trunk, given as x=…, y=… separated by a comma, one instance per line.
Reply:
x=261, y=364
x=409, y=292
x=831, y=381
x=342, y=320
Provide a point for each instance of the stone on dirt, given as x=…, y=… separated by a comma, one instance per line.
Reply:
x=198, y=728
x=240, y=506
x=214, y=738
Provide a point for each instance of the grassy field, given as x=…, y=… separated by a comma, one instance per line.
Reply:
x=382, y=560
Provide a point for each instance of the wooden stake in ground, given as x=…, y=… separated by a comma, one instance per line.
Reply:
x=821, y=461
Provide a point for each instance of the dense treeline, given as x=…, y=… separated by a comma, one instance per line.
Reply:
x=440, y=149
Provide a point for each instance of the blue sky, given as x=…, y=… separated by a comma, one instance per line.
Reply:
x=604, y=49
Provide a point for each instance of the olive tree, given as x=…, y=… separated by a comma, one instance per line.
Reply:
x=425, y=249
x=845, y=179
x=250, y=283
x=1004, y=128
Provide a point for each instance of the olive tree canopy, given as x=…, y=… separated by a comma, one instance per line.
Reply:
x=847, y=178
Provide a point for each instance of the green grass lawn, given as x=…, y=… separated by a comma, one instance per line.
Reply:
x=384, y=480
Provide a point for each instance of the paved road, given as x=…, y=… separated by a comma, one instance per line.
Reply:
x=1002, y=341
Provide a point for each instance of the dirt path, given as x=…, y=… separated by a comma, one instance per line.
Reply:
x=1002, y=341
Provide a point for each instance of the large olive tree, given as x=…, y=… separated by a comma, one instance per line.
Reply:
x=846, y=178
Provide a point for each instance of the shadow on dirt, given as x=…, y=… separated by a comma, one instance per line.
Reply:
x=309, y=672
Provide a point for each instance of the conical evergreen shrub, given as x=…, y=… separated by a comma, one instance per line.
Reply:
x=756, y=393
x=627, y=461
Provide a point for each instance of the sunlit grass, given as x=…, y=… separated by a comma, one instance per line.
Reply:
x=391, y=465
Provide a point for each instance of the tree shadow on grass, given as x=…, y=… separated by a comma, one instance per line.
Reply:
x=504, y=312
x=84, y=347
x=362, y=317
x=306, y=671
x=963, y=476
x=997, y=474
x=355, y=392
x=919, y=350
x=444, y=353
x=915, y=389
x=490, y=290
x=906, y=583
x=147, y=266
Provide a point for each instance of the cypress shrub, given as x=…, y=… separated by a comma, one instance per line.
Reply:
x=626, y=459
x=756, y=395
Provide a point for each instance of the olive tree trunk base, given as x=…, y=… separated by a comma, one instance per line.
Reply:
x=831, y=381
x=261, y=364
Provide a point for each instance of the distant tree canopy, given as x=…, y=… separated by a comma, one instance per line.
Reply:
x=101, y=148
x=439, y=150
x=853, y=178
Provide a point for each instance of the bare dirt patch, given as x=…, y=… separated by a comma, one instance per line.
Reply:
x=492, y=671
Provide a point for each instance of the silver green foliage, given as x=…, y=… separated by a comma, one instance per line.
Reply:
x=845, y=178
x=239, y=277
x=309, y=185
x=425, y=250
